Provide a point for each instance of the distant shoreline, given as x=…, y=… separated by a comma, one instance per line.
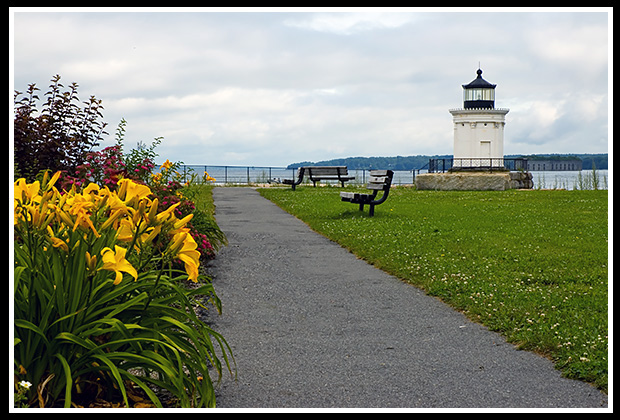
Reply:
x=408, y=163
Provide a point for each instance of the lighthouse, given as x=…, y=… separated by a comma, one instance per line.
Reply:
x=478, y=161
x=478, y=128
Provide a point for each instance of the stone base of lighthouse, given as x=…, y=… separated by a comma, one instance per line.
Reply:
x=474, y=181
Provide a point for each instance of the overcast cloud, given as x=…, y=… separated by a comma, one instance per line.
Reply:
x=272, y=88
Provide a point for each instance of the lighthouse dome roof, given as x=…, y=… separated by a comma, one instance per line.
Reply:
x=479, y=82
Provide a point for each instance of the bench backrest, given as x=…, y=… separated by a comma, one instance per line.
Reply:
x=319, y=171
x=380, y=180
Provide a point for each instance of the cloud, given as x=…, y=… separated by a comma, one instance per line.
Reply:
x=275, y=88
x=350, y=23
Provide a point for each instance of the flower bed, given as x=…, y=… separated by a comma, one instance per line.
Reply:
x=99, y=304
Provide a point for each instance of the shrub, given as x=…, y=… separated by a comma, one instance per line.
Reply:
x=99, y=308
x=109, y=165
x=57, y=137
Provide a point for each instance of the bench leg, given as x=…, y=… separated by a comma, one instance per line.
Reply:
x=371, y=212
x=361, y=207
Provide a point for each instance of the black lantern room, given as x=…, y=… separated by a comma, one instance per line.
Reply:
x=479, y=93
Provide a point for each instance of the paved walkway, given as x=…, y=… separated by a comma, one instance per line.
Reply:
x=313, y=326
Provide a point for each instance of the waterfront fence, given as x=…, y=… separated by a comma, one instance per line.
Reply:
x=251, y=175
x=261, y=175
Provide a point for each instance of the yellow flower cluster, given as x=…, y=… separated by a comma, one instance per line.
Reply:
x=208, y=177
x=168, y=173
x=121, y=222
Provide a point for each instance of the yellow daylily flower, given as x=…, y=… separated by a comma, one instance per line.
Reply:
x=17, y=214
x=116, y=214
x=115, y=261
x=152, y=214
x=91, y=262
x=125, y=231
x=167, y=165
x=79, y=203
x=157, y=177
x=113, y=201
x=25, y=192
x=56, y=242
x=208, y=177
x=83, y=220
x=182, y=222
x=188, y=254
x=150, y=234
x=163, y=216
x=133, y=190
x=91, y=188
x=59, y=243
x=52, y=181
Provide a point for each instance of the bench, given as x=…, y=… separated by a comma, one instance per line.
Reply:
x=328, y=173
x=295, y=182
x=379, y=181
x=318, y=173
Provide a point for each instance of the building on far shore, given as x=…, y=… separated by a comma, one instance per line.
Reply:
x=571, y=164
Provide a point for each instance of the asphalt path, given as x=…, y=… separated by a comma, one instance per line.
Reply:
x=312, y=326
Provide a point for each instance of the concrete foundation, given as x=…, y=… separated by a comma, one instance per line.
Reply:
x=474, y=181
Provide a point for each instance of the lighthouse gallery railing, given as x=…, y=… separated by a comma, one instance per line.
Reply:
x=477, y=164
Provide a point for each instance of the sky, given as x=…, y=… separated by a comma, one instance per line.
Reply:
x=270, y=87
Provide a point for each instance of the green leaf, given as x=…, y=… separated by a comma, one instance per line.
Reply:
x=116, y=373
x=17, y=275
x=85, y=343
x=22, y=323
x=148, y=391
x=68, y=378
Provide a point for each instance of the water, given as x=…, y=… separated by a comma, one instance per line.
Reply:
x=571, y=180
x=241, y=175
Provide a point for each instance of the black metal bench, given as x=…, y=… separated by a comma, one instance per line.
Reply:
x=328, y=173
x=295, y=182
x=379, y=181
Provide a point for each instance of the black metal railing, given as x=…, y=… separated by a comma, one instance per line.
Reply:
x=235, y=174
x=245, y=175
x=477, y=164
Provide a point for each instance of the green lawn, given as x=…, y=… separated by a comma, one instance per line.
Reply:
x=531, y=265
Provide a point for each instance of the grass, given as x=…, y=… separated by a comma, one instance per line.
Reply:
x=204, y=213
x=531, y=265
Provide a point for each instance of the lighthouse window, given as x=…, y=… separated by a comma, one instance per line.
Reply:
x=479, y=94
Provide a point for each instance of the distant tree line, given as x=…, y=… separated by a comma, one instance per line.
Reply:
x=408, y=163
x=396, y=163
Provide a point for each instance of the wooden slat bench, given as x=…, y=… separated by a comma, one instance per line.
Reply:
x=379, y=181
x=328, y=173
x=320, y=173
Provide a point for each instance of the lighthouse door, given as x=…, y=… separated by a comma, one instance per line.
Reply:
x=485, y=153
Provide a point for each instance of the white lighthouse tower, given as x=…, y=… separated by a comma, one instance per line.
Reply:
x=478, y=128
